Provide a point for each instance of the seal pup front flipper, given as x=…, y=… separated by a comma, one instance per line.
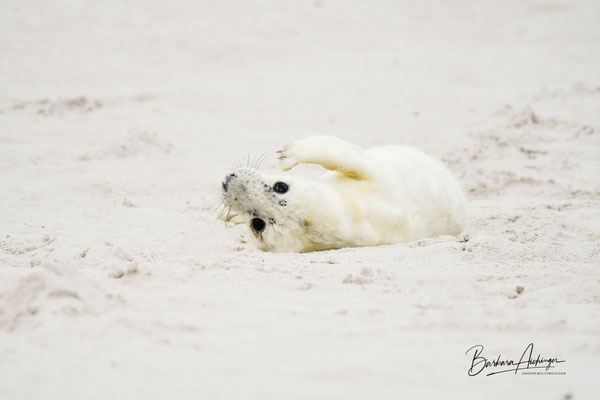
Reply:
x=329, y=152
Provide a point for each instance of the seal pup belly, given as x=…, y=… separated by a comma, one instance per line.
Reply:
x=382, y=195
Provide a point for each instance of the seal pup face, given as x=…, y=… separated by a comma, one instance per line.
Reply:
x=268, y=205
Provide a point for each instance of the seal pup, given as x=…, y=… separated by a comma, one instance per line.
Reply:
x=377, y=196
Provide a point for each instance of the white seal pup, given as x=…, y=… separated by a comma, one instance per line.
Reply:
x=382, y=195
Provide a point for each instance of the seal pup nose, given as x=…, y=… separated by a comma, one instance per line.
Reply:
x=225, y=183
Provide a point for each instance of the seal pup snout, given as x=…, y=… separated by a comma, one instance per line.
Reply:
x=228, y=178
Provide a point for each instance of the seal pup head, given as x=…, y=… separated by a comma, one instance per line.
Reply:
x=276, y=209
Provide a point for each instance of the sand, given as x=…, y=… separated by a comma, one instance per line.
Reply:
x=118, y=120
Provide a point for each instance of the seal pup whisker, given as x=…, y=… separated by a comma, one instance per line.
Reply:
x=261, y=160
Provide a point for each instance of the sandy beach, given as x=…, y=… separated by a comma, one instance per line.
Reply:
x=119, y=120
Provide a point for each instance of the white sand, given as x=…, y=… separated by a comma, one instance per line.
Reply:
x=118, y=122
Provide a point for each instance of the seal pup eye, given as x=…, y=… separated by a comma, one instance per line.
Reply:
x=280, y=187
x=258, y=224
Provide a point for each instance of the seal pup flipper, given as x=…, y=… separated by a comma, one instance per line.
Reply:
x=329, y=152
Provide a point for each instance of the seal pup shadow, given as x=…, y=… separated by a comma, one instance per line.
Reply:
x=382, y=195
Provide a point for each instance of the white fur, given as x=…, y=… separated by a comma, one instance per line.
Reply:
x=383, y=195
